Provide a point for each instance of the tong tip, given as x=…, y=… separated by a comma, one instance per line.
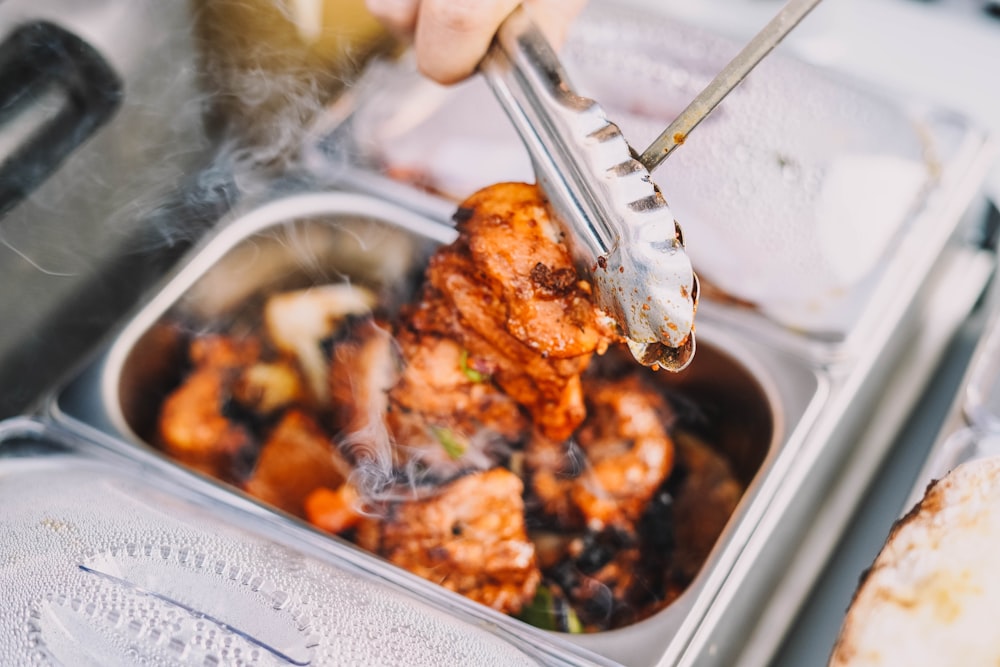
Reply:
x=660, y=355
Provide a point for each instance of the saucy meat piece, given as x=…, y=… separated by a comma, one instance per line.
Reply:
x=502, y=327
x=297, y=458
x=445, y=417
x=364, y=364
x=506, y=290
x=468, y=537
x=221, y=351
x=193, y=426
x=617, y=460
x=415, y=405
x=335, y=510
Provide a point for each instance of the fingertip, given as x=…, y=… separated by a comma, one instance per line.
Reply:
x=445, y=73
x=452, y=36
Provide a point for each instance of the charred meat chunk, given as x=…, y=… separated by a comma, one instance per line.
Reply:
x=469, y=537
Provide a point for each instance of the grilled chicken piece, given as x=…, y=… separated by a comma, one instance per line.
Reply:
x=445, y=416
x=192, y=426
x=468, y=537
x=507, y=292
x=416, y=405
x=620, y=456
x=406, y=406
x=221, y=351
x=335, y=510
x=297, y=458
x=503, y=326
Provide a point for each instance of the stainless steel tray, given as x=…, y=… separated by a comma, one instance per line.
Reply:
x=874, y=344
x=302, y=238
x=825, y=402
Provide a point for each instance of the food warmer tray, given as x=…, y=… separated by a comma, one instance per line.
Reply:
x=814, y=404
x=299, y=237
x=809, y=415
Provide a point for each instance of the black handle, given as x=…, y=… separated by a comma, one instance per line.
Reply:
x=55, y=92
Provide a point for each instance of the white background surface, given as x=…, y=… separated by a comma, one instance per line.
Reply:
x=944, y=51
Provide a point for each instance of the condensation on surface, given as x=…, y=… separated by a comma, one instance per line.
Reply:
x=791, y=191
x=98, y=569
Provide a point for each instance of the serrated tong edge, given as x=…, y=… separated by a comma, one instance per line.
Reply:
x=619, y=224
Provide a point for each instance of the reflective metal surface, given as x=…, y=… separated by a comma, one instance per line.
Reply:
x=621, y=229
x=766, y=400
x=67, y=247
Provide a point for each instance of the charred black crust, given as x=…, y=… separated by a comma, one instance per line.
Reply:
x=559, y=282
x=463, y=214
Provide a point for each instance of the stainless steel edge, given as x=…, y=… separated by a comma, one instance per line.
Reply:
x=214, y=248
x=858, y=390
x=949, y=305
x=959, y=438
x=796, y=389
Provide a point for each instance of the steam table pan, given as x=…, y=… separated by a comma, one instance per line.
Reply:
x=795, y=404
x=764, y=400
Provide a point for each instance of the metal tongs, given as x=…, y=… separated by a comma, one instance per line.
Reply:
x=619, y=224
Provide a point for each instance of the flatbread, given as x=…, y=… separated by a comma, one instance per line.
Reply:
x=932, y=596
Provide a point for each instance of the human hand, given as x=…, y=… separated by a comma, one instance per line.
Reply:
x=450, y=37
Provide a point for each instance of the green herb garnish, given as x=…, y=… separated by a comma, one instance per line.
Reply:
x=471, y=373
x=548, y=612
x=453, y=445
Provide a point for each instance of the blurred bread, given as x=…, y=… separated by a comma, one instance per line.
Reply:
x=932, y=596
